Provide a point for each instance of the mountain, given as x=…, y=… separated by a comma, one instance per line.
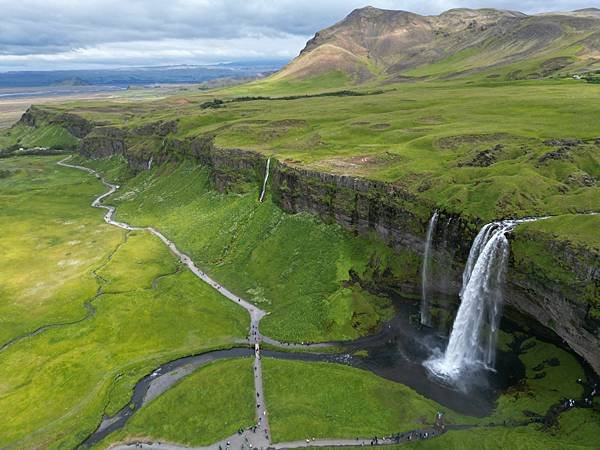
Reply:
x=372, y=43
x=70, y=82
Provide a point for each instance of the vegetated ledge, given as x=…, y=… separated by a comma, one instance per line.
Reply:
x=564, y=305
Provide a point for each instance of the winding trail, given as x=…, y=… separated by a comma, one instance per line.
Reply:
x=239, y=441
x=261, y=439
x=151, y=386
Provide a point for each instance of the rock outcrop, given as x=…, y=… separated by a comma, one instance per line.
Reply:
x=74, y=124
x=103, y=142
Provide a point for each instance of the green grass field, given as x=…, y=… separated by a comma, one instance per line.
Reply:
x=51, y=241
x=476, y=147
x=325, y=400
x=211, y=404
x=57, y=384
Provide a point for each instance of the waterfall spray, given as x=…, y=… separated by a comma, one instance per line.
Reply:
x=150, y=163
x=425, y=315
x=264, y=188
x=472, y=342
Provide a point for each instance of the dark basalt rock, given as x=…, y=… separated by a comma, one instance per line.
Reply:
x=74, y=124
x=77, y=126
x=581, y=179
x=160, y=128
x=103, y=142
x=565, y=142
x=34, y=116
x=561, y=154
x=484, y=158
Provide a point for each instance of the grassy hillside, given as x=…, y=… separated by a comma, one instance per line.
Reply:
x=291, y=265
x=485, y=149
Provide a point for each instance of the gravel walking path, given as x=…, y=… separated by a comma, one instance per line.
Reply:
x=257, y=437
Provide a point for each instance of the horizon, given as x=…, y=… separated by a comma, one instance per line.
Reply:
x=191, y=32
x=241, y=62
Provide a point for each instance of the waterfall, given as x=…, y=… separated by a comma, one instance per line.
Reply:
x=150, y=163
x=264, y=188
x=473, y=338
x=425, y=315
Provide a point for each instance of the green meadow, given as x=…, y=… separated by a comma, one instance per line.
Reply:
x=57, y=384
x=51, y=242
x=468, y=146
x=209, y=405
x=328, y=400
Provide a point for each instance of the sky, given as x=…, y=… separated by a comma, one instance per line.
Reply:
x=77, y=34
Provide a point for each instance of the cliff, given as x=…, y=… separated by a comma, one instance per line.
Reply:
x=553, y=286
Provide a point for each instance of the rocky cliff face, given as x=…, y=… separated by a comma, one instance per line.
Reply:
x=544, y=305
x=557, y=284
x=103, y=142
x=36, y=117
x=566, y=305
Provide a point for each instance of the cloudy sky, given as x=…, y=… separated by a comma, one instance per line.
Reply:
x=52, y=34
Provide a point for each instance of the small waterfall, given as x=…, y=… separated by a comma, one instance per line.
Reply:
x=473, y=339
x=425, y=315
x=150, y=163
x=264, y=188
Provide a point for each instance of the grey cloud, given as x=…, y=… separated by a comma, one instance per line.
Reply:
x=31, y=30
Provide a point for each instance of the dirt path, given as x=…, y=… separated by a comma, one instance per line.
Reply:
x=257, y=437
x=241, y=442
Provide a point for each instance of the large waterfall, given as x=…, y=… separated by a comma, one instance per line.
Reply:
x=472, y=342
x=425, y=314
x=264, y=188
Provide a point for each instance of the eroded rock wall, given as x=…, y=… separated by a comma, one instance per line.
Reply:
x=567, y=305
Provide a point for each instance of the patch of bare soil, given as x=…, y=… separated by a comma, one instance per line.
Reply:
x=454, y=142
